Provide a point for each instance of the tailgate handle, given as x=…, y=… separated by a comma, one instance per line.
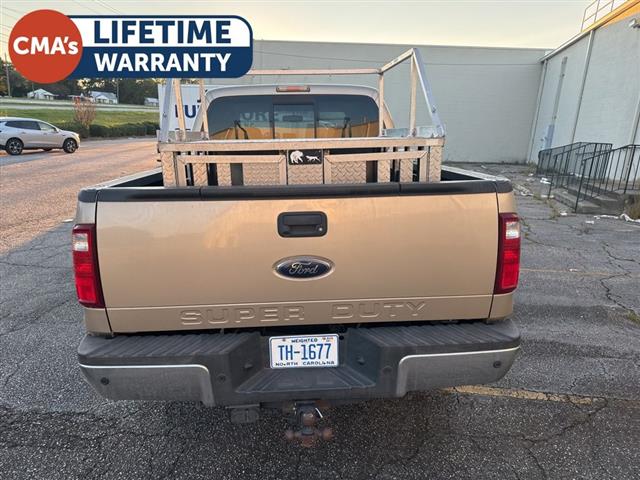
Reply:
x=302, y=224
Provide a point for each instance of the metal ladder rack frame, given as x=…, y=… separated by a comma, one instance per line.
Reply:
x=185, y=155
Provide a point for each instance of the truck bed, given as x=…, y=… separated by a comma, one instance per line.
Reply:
x=197, y=258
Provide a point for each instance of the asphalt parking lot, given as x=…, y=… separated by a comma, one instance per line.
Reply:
x=38, y=190
x=569, y=408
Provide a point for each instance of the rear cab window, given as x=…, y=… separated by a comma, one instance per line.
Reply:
x=255, y=117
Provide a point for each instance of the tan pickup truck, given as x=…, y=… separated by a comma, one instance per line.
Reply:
x=234, y=290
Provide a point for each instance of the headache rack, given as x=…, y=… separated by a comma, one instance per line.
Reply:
x=412, y=154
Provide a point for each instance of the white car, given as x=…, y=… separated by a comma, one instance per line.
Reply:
x=17, y=134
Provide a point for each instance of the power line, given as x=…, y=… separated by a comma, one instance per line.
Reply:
x=107, y=6
x=87, y=7
x=5, y=14
x=12, y=10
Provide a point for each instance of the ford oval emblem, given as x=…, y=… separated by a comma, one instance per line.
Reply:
x=303, y=268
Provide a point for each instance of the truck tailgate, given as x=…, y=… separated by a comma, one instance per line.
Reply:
x=208, y=261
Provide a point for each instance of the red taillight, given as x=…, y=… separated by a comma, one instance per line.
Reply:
x=85, y=266
x=508, y=268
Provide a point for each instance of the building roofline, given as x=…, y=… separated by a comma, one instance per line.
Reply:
x=606, y=19
x=408, y=45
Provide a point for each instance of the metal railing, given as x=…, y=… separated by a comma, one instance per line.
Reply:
x=561, y=165
x=614, y=171
x=547, y=158
x=597, y=10
x=419, y=84
x=192, y=158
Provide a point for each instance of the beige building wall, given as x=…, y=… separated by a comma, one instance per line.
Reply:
x=486, y=96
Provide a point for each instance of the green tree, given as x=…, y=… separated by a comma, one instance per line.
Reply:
x=63, y=88
x=98, y=84
x=19, y=85
x=136, y=90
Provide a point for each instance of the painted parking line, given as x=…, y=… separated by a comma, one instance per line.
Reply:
x=576, y=272
x=526, y=395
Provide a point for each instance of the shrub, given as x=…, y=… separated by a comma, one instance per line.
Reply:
x=84, y=112
x=123, y=130
x=74, y=127
x=151, y=127
x=97, y=130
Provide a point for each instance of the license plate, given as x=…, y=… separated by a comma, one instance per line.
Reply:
x=304, y=351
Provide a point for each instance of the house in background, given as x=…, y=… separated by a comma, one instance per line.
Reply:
x=104, y=97
x=151, y=102
x=41, y=94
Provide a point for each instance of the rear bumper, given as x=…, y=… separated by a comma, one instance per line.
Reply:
x=233, y=369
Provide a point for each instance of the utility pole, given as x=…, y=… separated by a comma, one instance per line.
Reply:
x=6, y=66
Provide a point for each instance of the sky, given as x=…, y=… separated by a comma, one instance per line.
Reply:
x=497, y=23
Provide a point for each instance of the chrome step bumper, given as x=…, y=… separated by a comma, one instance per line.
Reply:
x=233, y=369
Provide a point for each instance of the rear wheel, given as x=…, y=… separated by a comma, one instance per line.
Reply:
x=70, y=145
x=14, y=146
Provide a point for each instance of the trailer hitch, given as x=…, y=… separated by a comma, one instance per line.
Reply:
x=307, y=432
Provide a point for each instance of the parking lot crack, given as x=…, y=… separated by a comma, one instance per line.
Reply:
x=401, y=458
x=8, y=378
x=24, y=324
x=28, y=265
x=587, y=417
x=536, y=461
x=183, y=450
x=529, y=234
x=607, y=248
x=613, y=297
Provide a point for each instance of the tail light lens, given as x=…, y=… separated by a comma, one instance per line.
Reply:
x=508, y=268
x=85, y=266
